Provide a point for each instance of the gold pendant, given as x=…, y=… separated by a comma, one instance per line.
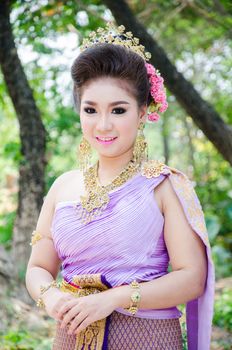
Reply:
x=93, y=204
x=97, y=198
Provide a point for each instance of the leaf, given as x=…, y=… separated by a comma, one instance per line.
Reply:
x=213, y=226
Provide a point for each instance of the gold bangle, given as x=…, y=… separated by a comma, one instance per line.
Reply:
x=53, y=284
x=36, y=236
x=40, y=303
x=135, y=298
x=43, y=289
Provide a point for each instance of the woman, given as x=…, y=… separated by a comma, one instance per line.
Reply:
x=120, y=222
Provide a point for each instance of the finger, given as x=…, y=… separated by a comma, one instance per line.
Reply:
x=69, y=316
x=84, y=324
x=65, y=308
x=61, y=302
x=79, y=319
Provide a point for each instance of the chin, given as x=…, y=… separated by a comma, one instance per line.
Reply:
x=113, y=154
x=109, y=155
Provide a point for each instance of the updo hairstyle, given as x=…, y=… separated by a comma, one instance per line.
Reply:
x=115, y=61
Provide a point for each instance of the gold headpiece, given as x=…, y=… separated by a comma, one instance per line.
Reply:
x=116, y=36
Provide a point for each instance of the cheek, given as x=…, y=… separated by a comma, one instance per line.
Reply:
x=86, y=124
x=129, y=128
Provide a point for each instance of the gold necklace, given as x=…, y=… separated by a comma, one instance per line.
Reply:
x=97, y=198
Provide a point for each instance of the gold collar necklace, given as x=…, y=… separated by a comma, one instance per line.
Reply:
x=97, y=197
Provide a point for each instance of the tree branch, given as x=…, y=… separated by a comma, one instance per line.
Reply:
x=33, y=142
x=203, y=114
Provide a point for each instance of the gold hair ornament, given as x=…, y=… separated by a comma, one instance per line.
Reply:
x=116, y=36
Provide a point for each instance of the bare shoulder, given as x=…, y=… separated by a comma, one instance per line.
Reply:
x=67, y=176
x=68, y=186
x=165, y=194
x=166, y=191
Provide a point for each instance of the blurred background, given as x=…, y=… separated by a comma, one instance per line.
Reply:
x=190, y=43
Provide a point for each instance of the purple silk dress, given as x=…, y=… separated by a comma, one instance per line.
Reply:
x=126, y=242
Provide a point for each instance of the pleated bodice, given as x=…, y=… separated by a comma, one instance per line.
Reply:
x=124, y=243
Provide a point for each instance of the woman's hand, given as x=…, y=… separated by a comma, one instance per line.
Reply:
x=79, y=313
x=55, y=299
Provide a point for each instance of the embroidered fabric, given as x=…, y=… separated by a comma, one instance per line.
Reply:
x=131, y=333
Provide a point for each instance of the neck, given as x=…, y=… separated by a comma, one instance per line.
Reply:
x=109, y=168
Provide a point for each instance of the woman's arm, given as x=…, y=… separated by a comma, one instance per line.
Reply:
x=187, y=255
x=44, y=263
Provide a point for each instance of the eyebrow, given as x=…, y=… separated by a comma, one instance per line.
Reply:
x=111, y=104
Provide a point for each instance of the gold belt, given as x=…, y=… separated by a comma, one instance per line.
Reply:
x=92, y=337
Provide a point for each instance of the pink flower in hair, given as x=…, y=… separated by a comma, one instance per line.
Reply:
x=164, y=107
x=153, y=117
x=158, y=93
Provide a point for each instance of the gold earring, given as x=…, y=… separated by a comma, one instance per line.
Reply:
x=140, y=146
x=85, y=153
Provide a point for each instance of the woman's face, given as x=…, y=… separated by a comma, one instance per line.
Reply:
x=110, y=117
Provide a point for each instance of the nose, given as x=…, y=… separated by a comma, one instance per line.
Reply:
x=104, y=123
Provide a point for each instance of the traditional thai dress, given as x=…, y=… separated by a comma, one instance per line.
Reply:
x=126, y=243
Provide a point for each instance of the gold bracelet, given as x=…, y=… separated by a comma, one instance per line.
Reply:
x=36, y=236
x=135, y=298
x=43, y=289
x=40, y=303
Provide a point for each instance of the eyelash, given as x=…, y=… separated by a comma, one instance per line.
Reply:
x=92, y=109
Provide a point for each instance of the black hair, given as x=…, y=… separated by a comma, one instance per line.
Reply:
x=110, y=60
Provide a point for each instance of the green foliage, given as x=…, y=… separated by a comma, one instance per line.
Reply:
x=223, y=309
x=222, y=260
x=51, y=19
x=23, y=340
x=11, y=150
x=204, y=59
x=6, y=226
x=184, y=336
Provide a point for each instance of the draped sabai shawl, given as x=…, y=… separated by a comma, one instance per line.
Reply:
x=126, y=243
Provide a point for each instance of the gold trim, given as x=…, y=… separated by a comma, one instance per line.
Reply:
x=152, y=168
x=185, y=190
x=92, y=337
x=92, y=280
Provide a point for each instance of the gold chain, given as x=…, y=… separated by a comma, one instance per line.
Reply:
x=97, y=198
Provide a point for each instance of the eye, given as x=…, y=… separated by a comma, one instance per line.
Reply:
x=89, y=110
x=119, y=110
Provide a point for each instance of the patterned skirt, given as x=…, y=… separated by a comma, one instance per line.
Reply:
x=128, y=333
